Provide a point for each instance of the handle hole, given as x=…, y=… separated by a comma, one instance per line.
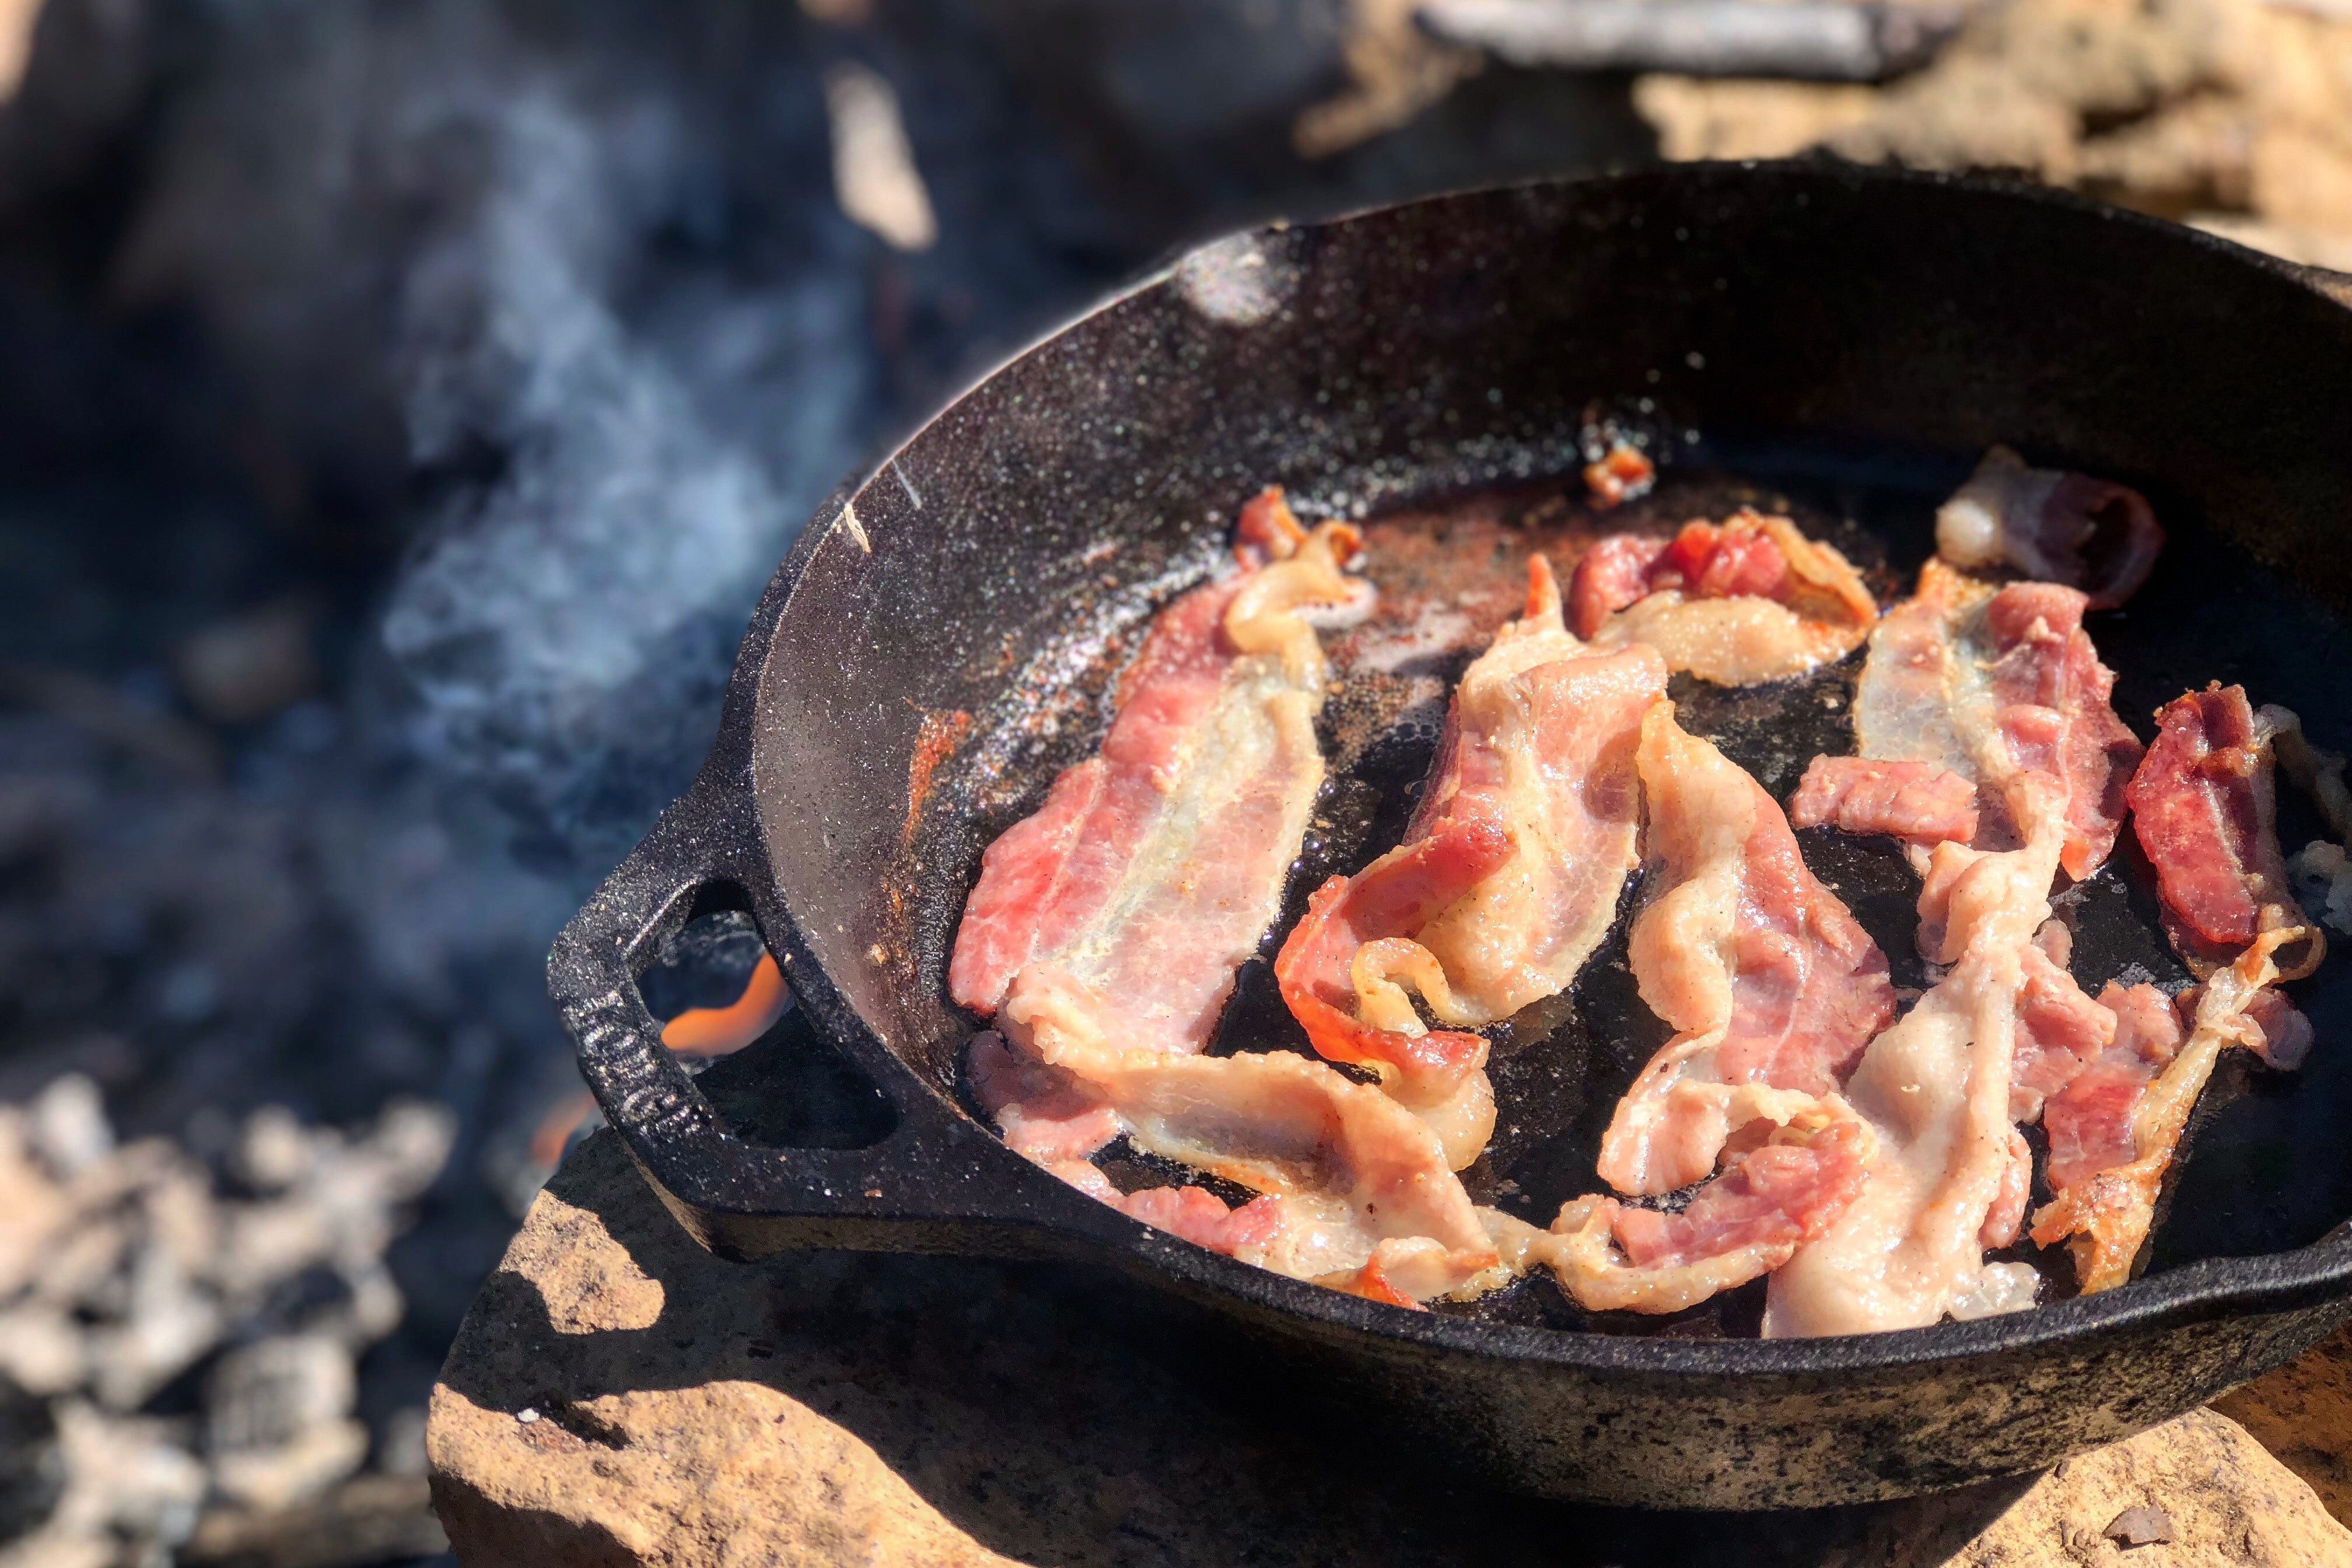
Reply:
x=787, y=1087
x=703, y=966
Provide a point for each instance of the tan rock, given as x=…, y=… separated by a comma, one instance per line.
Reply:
x=1969, y=112
x=31, y=1206
x=2302, y=1413
x=1695, y=118
x=2197, y=152
x=724, y=1473
x=1395, y=71
x=2218, y=1495
x=2302, y=178
x=617, y=1396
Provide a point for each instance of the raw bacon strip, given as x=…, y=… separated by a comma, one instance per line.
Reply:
x=1506, y=879
x=2090, y=535
x=1749, y=601
x=2003, y=688
x=1773, y=987
x=2203, y=808
x=1121, y=912
x=1936, y=1087
x=1153, y=869
x=1997, y=686
x=1366, y=1199
x=1915, y=802
x=2104, y=1213
x=1767, y=1203
x=1195, y=1213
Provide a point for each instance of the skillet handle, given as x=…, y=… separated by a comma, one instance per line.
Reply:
x=937, y=1183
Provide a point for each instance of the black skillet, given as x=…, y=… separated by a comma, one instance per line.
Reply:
x=1850, y=339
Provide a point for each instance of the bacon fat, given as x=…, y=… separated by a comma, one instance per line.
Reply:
x=2090, y=535
x=1748, y=599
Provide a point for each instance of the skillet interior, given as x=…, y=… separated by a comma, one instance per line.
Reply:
x=1847, y=341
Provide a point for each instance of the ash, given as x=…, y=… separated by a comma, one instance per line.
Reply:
x=403, y=407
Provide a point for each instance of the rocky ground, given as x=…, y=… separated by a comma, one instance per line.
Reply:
x=619, y=1397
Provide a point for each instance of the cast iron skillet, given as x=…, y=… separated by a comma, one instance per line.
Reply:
x=1854, y=336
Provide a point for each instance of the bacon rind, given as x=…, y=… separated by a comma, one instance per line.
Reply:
x=2089, y=534
x=1935, y=1085
x=1609, y=576
x=1917, y=802
x=1768, y=979
x=1622, y=472
x=2203, y=810
x=1402, y=891
x=2060, y=1031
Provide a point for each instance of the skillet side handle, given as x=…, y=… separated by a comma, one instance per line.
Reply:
x=936, y=1183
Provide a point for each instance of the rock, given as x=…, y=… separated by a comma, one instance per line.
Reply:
x=1968, y=112
x=617, y=1396
x=1695, y=118
x=2236, y=112
x=278, y=1426
x=2301, y=177
x=2140, y=1526
x=121, y=1269
x=2315, y=247
x=2197, y=152
x=168, y=1325
x=273, y=1480
x=273, y=1150
x=2302, y=1413
x=41, y=1350
x=125, y=1478
x=68, y=1125
x=31, y=1199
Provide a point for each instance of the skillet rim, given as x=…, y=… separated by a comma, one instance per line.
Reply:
x=2257, y=1284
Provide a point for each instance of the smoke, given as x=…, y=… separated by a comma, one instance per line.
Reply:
x=543, y=326
x=568, y=619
